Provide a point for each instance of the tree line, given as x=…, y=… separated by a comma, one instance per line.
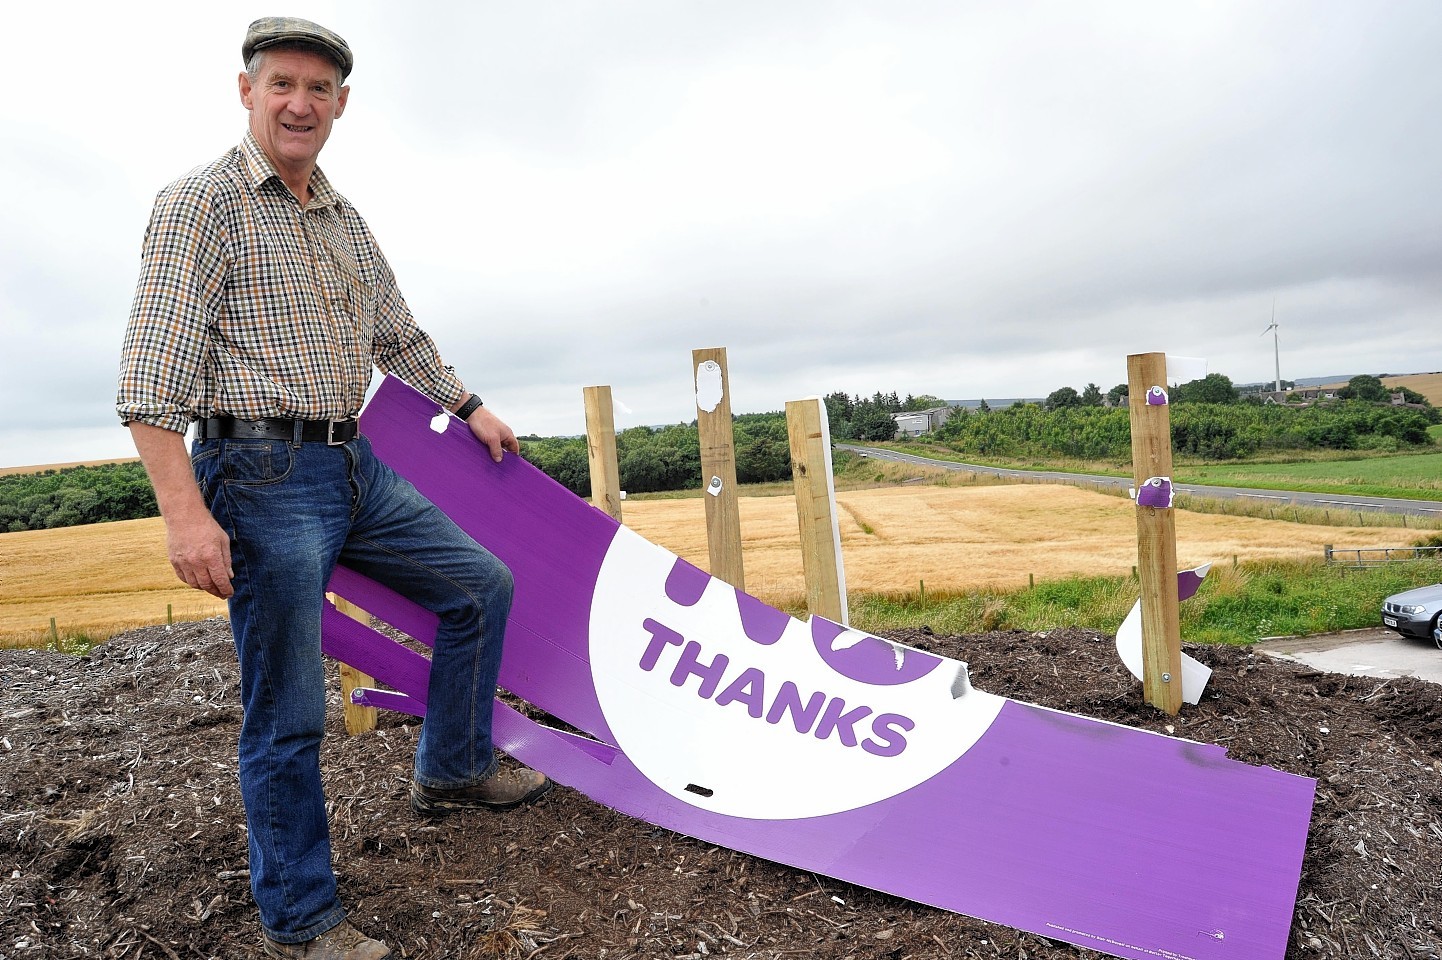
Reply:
x=75, y=495
x=1209, y=421
x=652, y=459
x=1218, y=388
x=1203, y=430
x=871, y=418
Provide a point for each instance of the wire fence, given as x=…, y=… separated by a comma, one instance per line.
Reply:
x=1378, y=556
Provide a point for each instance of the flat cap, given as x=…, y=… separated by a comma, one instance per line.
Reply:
x=268, y=31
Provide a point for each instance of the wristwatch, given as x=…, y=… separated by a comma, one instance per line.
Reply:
x=469, y=407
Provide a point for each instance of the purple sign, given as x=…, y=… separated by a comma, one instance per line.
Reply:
x=707, y=712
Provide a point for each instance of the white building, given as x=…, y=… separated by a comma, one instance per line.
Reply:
x=914, y=423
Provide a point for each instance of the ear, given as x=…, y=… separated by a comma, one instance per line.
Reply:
x=245, y=91
x=340, y=100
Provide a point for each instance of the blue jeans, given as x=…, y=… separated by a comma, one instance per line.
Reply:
x=292, y=512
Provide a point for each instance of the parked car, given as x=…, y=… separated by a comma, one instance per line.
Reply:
x=1413, y=613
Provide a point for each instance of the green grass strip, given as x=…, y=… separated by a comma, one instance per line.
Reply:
x=1236, y=604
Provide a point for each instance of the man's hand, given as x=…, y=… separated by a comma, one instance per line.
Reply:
x=200, y=554
x=199, y=549
x=493, y=432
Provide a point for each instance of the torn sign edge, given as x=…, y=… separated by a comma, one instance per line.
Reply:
x=1143, y=810
x=1129, y=639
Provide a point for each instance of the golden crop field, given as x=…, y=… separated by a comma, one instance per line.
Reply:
x=97, y=579
x=1427, y=384
x=957, y=538
x=107, y=577
x=41, y=468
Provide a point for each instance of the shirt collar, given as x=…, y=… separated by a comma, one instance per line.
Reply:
x=260, y=169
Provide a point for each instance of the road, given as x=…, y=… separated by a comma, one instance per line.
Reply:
x=1372, y=652
x=1280, y=498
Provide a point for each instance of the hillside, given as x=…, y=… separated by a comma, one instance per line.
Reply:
x=1427, y=384
x=42, y=468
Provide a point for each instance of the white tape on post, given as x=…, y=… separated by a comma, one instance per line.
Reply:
x=708, y=386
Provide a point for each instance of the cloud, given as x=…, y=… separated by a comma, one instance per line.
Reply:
x=958, y=199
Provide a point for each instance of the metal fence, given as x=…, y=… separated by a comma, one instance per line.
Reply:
x=1379, y=556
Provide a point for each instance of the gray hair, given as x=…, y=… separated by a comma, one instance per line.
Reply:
x=257, y=59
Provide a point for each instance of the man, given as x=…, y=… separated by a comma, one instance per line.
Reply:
x=262, y=305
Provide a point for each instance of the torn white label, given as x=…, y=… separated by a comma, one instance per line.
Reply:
x=708, y=386
x=1185, y=369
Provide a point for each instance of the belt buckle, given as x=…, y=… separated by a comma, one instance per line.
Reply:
x=330, y=439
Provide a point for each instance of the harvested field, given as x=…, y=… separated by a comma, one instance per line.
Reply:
x=41, y=468
x=95, y=579
x=956, y=538
x=105, y=577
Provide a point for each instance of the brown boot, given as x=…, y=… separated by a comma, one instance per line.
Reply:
x=505, y=789
x=342, y=942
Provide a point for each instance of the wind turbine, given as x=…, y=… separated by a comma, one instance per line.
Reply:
x=1276, y=349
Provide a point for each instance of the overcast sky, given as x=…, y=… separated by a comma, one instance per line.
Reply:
x=961, y=199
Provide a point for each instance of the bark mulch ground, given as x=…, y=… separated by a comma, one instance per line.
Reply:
x=121, y=832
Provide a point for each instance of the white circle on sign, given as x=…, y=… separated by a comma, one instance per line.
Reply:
x=763, y=730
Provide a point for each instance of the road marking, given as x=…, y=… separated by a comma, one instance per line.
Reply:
x=1261, y=496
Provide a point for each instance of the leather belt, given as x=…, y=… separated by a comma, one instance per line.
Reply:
x=330, y=432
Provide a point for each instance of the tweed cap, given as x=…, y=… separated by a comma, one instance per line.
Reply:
x=268, y=31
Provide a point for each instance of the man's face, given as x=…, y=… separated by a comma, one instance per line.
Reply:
x=294, y=100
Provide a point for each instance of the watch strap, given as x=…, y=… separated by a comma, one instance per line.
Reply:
x=465, y=410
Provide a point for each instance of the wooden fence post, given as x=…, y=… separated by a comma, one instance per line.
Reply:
x=601, y=449
x=1156, y=533
x=358, y=719
x=718, y=465
x=810, y=437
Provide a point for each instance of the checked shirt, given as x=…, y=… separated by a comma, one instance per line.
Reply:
x=252, y=306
